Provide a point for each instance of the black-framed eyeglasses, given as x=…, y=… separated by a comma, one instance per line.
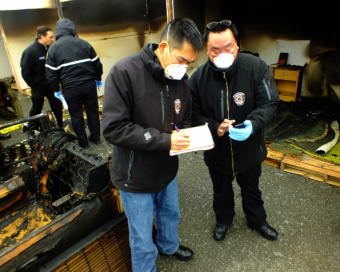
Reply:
x=219, y=25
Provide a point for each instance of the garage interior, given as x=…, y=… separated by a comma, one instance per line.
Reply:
x=300, y=43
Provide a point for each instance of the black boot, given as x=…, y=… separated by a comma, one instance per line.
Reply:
x=94, y=140
x=83, y=144
x=220, y=231
x=5, y=136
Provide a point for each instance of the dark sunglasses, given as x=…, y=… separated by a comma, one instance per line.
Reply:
x=221, y=24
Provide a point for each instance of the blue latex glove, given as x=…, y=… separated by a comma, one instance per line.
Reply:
x=60, y=96
x=241, y=134
x=99, y=83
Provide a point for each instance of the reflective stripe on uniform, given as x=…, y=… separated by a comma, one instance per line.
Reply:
x=71, y=63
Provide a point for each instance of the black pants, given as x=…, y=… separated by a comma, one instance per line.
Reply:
x=252, y=203
x=81, y=98
x=38, y=96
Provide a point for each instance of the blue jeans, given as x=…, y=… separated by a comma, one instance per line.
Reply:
x=141, y=209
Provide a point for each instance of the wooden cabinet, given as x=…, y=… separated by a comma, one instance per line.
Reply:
x=287, y=82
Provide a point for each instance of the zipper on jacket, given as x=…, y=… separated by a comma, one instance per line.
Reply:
x=222, y=105
x=167, y=93
x=131, y=160
x=165, y=101
x=163, y=108
x=228, y=116
x=167, y=108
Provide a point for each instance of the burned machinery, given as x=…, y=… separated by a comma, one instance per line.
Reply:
x=52, y=193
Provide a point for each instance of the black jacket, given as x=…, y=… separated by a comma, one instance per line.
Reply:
x=33, y=65
x=245, y=91
x=138, y=115
x=70, y=60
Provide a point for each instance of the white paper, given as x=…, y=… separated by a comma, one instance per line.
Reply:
x=200, y=139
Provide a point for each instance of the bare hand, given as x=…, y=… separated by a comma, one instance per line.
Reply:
x=179, y=140
x=224, y=127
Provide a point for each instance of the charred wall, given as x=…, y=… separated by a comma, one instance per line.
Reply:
x=19, y=30
x=115, y=29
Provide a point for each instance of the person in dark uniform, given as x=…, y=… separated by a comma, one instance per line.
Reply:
x=74, y=64
x=141, y=110
x=236, y=95
x=33, y=72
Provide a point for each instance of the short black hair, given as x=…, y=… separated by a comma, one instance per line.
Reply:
x=220, y=26
x=42, y=31
x=182, y=29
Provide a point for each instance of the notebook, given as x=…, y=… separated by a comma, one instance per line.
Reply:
x=200, y=139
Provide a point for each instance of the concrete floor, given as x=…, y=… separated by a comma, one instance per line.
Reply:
x=305, y=212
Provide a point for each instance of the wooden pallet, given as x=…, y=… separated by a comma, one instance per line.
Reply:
x=108, y=252
x=306, y=166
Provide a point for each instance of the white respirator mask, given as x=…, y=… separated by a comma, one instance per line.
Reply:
x=224, y=60
x=175, y=71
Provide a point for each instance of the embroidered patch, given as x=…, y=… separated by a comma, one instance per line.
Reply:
x=178, y=106
x=239, y=98
x=147, y=136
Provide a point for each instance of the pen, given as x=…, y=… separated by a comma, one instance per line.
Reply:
x=176, y=128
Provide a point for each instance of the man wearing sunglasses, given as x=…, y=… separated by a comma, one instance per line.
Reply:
x=235, y=94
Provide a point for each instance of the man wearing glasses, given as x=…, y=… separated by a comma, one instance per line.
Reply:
x=235, y=94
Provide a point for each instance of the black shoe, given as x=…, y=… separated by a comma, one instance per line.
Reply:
x=84, y=144
x=5, y=136
x=183, y=254
x=220, y=231
x=24, y=128
x=265, y=230
x=28, y=128
x=97, y=141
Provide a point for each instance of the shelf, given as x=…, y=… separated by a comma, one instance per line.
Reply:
x=287, y=83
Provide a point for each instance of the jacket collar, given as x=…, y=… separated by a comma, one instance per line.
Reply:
x=151, y=61
x=40, y=45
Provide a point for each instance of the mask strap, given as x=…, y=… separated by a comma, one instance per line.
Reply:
x=167, y=40
x=167, y=33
